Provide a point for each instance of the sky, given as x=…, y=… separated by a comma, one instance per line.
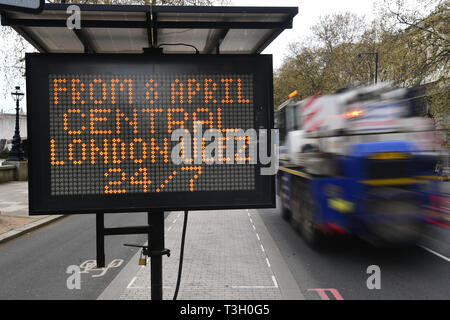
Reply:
x=308, y=13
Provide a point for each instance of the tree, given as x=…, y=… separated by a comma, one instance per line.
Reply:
x=326, y=60
x=411, y=37
x=418, y=33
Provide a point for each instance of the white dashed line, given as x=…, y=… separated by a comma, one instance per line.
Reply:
x=435, y=253
x=275, y=282
x=254, y=287
x=131, y=282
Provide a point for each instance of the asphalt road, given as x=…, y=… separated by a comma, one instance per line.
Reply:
x=34, y=266
x=412, y=273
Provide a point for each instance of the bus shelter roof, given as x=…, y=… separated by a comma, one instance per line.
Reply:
x=130, y=28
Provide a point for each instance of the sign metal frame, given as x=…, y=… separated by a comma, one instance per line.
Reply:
x=40, y=66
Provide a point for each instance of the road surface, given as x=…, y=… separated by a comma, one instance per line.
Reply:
x=34, y=266
x=341, y=264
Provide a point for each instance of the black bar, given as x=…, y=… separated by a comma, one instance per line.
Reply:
x=260, y=48
x=149, y=29
x=126, y=230
x=213, y=44
x=100, y=223
x=155, y=29
x=88, y=47
x=175, y=9
x=156, y=243
x=144, y=24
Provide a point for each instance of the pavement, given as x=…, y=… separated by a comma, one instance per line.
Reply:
x=14, y=215
x=229, y=255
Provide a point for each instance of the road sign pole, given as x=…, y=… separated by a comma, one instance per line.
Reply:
x=100, y=223
x=156, y=249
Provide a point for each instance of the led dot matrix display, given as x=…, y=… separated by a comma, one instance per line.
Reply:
x=105, y=133
x=111, y=134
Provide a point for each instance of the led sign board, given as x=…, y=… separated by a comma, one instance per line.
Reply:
x=102, y=132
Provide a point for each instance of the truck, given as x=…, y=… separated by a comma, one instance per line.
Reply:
x=356, y=162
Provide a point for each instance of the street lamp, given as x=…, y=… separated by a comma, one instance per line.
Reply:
x=16, y=153
x=376, y=62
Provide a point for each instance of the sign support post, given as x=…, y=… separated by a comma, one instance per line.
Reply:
x=156, y=251
x=100, y=234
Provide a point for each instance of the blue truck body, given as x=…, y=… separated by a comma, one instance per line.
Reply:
x=378, y=186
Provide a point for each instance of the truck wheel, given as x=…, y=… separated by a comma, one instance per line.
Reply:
x=295, y=218
x=285, y=213
x=310, y=233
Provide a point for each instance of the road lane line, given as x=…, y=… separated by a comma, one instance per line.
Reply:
x=266, y=258
x=253, y=287
x=275, y=281
x=131, y=282
x=435, y=253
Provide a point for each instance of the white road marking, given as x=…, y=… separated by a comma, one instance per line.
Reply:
x=168, y=229
x=275, y=281
x=147, y=287
x=267, y=262
x=91, y=265
x=131, y=282
x=254, y=287
x=435, y=253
